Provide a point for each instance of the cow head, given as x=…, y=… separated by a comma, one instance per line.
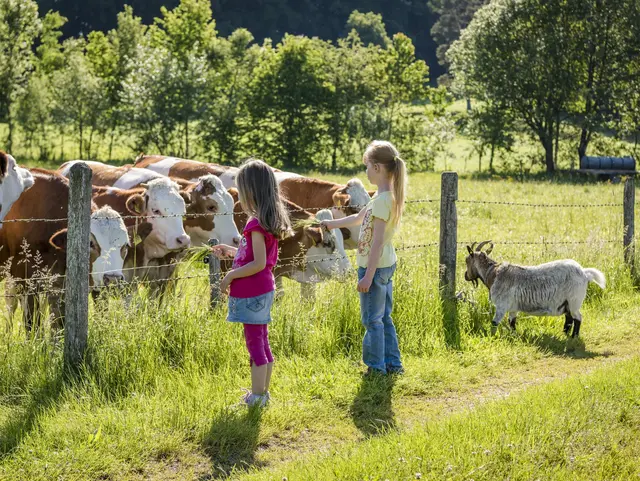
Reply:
x=162, y=198
x=14, y=180
x=351, y=199
x=109, y=243
x=210, y=197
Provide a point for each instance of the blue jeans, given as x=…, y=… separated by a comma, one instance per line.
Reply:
x=380, y=344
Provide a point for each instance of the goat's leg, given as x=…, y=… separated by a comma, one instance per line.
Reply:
x=568, y=322
x=500, y=312
x=512, y=320
x=577, y=320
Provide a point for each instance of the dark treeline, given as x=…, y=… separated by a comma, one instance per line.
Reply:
x=268, y=19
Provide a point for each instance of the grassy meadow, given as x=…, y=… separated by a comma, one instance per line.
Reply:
x=159, y=395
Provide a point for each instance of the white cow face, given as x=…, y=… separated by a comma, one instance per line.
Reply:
x=327, y=258
x=108, y=246
x=163, y=198
x=14, y=181
x=210, y=196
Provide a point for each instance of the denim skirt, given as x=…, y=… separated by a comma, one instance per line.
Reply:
x=251, y=310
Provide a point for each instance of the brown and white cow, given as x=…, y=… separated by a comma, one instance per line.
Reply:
x=37, y=249
x=313, y=253
x=204, y=195
x=187, y=169
x=14, y=180
x=307, y=192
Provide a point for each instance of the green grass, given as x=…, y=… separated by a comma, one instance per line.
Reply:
x=582, y=428
x=157, y=397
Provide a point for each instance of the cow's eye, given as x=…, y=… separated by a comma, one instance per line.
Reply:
x=92, y=245
x=212, y=208
x=156, y=212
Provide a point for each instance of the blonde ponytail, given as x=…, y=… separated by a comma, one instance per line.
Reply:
x=384, y=153
x=399, y=176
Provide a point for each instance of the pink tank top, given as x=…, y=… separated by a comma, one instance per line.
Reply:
x=263, y=281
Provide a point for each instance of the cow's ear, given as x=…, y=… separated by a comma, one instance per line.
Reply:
x=372, y=192
x=59, y=240
x=4, y=164
x=315, y=234
x=205, y=187
x=136, y=204
x=138, y=233
x=234, y=194
x=340, y=197
x=186, y=196
x=346, y=233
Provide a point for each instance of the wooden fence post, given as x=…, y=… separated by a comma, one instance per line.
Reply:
x=448, y=253
x=77, y=280
x=629, y=212
x=214, y=276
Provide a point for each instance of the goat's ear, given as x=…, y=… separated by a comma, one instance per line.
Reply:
x=59, y=240
x=136, y=204
x=470, y=249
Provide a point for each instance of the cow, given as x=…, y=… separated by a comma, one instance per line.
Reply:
x=306, y=192
x=14, y=180
x=34, y=251
x=203, y=195
x=312, y=254
x=187, y=169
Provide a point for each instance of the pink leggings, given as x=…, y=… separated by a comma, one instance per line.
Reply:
x=257, y=338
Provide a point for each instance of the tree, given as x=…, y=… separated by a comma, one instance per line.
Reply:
x=349, y=88
x=286, y=104
x=370, y=28
x=490, y=127
x=79, y=96
x=454, y=16
x=610, y=52
x=225, y=119
x=19, y=27
x=521, y=54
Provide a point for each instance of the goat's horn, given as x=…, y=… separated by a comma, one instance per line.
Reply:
x=488, y=251
x=473, y=245
x=481, y=245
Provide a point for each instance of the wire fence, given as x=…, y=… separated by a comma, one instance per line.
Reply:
x=77, y=273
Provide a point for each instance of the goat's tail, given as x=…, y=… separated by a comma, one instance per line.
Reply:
x=596, y=276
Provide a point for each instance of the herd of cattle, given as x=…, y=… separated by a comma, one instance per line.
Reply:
x=145, y=216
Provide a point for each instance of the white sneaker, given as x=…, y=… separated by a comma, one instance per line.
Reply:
x=251, y=399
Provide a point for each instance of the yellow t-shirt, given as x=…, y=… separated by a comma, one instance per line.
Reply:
x=380, y=206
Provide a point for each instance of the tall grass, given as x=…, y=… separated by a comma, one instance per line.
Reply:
x=160, y=380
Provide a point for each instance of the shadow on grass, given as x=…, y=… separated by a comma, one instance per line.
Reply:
x=17, y=427
x=372, y=410
x=562, y=346
x=232, y=441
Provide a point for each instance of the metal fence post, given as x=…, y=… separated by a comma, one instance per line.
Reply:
x=448, y=253
x=77, y=280
x=629, y=213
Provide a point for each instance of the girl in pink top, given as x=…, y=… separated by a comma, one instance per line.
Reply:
x=250, y=281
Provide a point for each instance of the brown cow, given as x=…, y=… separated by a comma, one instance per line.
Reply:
x=307, y=192
x=35, y=250
x=204, y=195
x=14, y=180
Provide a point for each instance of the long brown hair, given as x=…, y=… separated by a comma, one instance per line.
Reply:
x=384, y=153
x=259, y=195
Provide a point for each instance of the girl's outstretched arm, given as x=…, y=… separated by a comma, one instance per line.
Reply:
x=379, y=226
x=258, y=263
x=349, y=221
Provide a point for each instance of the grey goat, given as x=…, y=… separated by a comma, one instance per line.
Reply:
x=550, y=289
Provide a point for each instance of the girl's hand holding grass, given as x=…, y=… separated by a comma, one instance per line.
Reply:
x=223, y=251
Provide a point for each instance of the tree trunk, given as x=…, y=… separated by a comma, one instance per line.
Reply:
x=10, y=138
x=584, y=142
x=493, y=149
x=468, y=104
x=186, y=139
x=548, y=155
